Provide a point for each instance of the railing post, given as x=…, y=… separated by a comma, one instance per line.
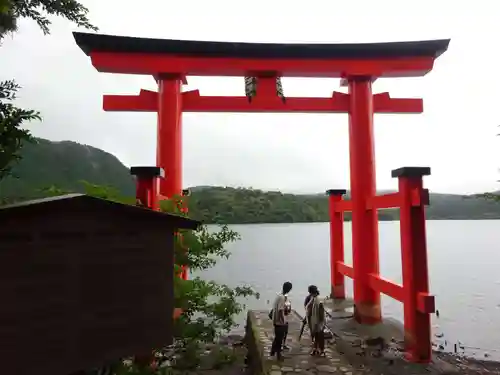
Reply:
x=414, y=261
x=147, y=185
x=336, y=243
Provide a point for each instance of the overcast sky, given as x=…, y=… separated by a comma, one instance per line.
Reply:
x=456, y=135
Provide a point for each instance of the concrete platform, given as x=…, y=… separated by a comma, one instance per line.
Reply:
x=380, y=347
x=338, y=305
x=353, y=349
x=259, y=337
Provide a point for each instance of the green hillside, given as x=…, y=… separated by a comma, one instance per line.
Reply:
x=65, y=164
x=458, y=207
x=239, y=205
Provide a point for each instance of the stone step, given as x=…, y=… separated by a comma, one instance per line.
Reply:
x=260, y=333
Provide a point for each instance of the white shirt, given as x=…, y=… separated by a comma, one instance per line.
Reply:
x=280, y=304
x=288, y=308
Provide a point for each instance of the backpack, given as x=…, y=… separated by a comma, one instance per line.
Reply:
x=321, y=312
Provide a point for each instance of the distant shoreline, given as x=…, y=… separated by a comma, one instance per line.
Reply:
x=347, y=221
x=67, y=164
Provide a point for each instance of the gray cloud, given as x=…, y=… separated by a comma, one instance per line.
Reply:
x=307, y=153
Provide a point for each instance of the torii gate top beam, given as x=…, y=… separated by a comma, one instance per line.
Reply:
x=129, y=55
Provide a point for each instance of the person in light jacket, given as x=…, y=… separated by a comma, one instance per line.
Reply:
x=279, y=315
x=312, y=289
x=317, y=324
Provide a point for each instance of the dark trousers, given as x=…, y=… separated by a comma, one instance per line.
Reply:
x=279, y=335
x=319, y=340
x=285, y=335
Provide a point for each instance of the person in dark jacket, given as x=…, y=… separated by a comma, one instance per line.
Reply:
x=311, y=289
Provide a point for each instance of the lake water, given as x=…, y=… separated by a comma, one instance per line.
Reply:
x=463, y=261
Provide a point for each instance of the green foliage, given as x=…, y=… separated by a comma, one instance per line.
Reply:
x=495, y=196
x=208, y=307
x=39, y=10
x=222, y=356
x=459, y=207
x=246, y=206
x=208, y=247
x=106, y=192
x=53, y=191
x=12, y=135
x=8, y=22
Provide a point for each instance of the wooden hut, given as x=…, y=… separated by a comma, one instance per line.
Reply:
x=83, y=282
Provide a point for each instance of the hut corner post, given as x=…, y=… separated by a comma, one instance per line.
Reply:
x=147, y=179
x=146, y=193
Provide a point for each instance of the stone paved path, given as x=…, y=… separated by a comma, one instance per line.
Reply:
x=297, y=359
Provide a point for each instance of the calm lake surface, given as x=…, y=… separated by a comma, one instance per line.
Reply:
x=464, y=264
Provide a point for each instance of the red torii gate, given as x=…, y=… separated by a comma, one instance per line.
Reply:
x=171, y=61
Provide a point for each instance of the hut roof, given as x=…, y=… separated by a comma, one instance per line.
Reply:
x=97, y=203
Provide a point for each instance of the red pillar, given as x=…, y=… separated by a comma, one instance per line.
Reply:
x=364, y=222
x=417, y=323
x=184, y=209
x=336, y=243
x=146, y=185
x=169, y=141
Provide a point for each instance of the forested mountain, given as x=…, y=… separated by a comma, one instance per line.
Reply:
x=239, y=205
x=65, y=164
